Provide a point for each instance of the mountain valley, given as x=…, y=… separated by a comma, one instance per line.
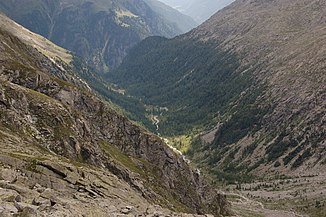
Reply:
x=230, y=80
x=245, y=99
x=236, y=104
x=65, y=150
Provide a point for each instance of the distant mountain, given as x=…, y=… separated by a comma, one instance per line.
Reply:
x=185, y=24
x=199, y=10
x=66, y=152
x=100, y=31
x=247, y=87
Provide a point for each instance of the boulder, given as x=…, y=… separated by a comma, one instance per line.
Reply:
x=5, y=213
x=41, y=201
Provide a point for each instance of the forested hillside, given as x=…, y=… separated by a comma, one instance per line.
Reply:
x=247, y=86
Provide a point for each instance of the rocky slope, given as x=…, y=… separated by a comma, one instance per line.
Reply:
x=99, y=31
x=250, y=82
x=66, y=151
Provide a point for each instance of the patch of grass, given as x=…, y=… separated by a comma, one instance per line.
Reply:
x=256, y=165
x=317, y=211
x=323, y=162
x=230, y=177
x=311, y=207
x=182, y=143
x=279, y=147
x=31, y=160
x=249, y=150
x=292, y=155
x=306, y=154
x=277, y=164
x=36, y=96
x=196, y=145
x=248, y=212
x=116, y=154
x=168, y=197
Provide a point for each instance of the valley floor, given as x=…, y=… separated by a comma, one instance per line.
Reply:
x=301, y=196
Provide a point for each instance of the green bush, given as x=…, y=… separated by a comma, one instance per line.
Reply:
x=303, y=157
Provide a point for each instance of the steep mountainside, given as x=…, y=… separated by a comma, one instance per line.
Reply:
x=66, y=151
x=254, y=74
x=199, y=10
x=77, y=66
x=100, y=31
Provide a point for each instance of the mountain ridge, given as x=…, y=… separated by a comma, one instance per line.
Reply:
x=99, y=31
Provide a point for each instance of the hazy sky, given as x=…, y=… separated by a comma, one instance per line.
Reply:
x=199, y=10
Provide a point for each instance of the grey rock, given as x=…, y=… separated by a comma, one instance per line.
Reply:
x=5, y=213
x=7, y=195
x=21, y=206
x=153, y=210
x=112, y=209
x=128, y=210
x=28, y=212
x=47, y=193
x=18, y=198
x=9, y=175
x=39, y=188
x=41, y=201
x=9, y=208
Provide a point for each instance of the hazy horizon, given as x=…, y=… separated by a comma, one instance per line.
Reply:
x=199, y=10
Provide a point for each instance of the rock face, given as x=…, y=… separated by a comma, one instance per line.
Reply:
x=62, y=148
x=257, y=71
x=65, y=189
x=100, y=31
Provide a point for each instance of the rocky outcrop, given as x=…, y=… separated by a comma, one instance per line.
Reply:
x=50, y=186
x=44, y=118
